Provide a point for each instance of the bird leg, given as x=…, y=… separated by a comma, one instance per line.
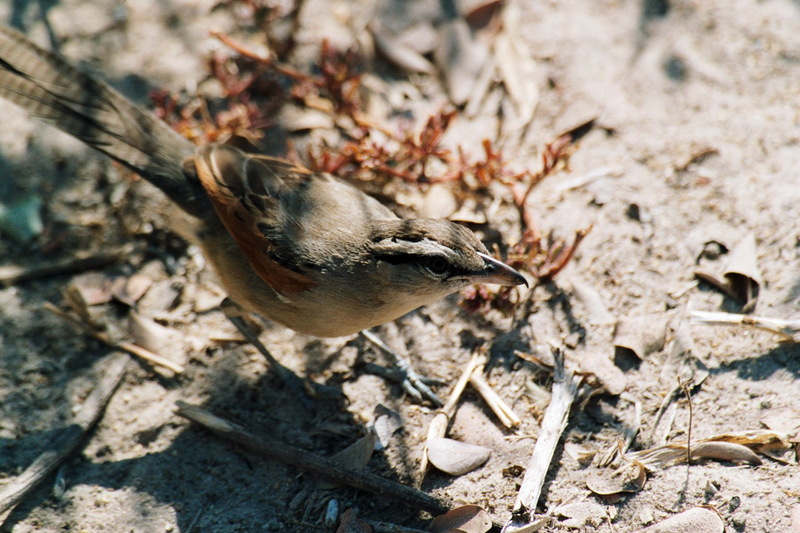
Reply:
x=412, y=382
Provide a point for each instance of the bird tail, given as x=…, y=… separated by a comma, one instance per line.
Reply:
x=53, y=90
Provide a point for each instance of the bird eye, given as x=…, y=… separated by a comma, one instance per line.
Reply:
x=437, y=266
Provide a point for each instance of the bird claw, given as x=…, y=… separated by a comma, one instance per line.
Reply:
x=413, y=383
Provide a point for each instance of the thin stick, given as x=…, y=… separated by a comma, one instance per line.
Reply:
x=128, y=347
x=66, y=442
x=438, y=425
x=565, y=390
x=500, y=408
x=685, y=386
x=311, y=463
x=80, y=262
x=787, y=329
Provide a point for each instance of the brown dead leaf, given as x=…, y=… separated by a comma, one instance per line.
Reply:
x=480, y=13
x=351, y=523
x=149, y=334
x=355, y=457
x=398, y=52
x=455, y=457
x=741, y=278
x=629, y=478
x=697, y=520
x=580, y=515
x=93, y=287
x=782, y=420
x=386, y=423
x=73, y=298
x=725, y=451
x=131, y=289
x=607, y=373
x=677, y=365
x=641, y=333
x=743, y=274
x=758, y=440
x=460, y=58
x=466, y=519
x=744, y=444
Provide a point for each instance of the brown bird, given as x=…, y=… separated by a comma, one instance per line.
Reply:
x=303, y=249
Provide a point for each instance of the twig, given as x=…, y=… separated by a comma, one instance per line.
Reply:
x=685, y=386
x=632, y=431
x=316, y=465
x=500, y=408
x=66, y=441
x=565, y=390
x=80, y=262
x=128, y=347
x=438, y=425
x=787, y=329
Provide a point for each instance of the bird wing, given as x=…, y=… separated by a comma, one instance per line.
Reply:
x=245, y=191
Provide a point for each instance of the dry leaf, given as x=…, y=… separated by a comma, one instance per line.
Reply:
x=741, y=278
x=421, y=37
x=130, y=290
x=716, y=448
x=149, y=334
x=466, y=519
x=455, y=457
x=480, y=13
x=93, y=287
x=439, y=202
x=725, y=451
x=676, y=365
x=757, y=440
x=607, y=373
x=386, y=424
x=782, y=420
x=351, y=523
x=460, y=59
x=355, y=457
x=398, y=50
x=697, y=520
x=642, y=334
x=743, y=274
x=629, y=478
x=74, y=300
x=295, y=118
x=580, y=515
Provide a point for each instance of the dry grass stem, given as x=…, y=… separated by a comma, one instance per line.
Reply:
x=80, y=262
x=500, y=408
x=565, y=391
x=124, y=346
x=438, y=425
x=787, y=329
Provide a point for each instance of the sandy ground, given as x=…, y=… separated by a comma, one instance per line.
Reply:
x=715, y=77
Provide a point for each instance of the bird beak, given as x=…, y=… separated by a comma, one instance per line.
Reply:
x=497, y=272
